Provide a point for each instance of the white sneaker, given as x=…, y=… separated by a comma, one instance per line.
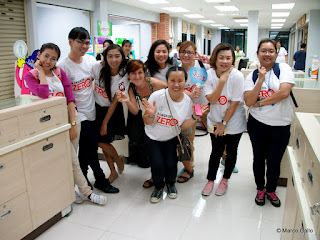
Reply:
x=78, y=198
x=98, y=199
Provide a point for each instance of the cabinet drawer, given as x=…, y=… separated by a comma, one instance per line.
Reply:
x=15, y=219
x=12, y=180
x=299, y=145
x=42, y=120
x=48, y=167
x=9, y=131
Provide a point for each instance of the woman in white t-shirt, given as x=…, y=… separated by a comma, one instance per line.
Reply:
x=110, y=122
x=187, y=54
x=269, y=121
x=282, y=54
x=158, y=61
x=165, y=109
x=226, y=119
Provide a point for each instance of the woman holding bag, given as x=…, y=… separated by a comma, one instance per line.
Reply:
x=166, y=110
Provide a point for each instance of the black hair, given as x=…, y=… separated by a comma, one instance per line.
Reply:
x=51, y=46
x=176, y=69
x=79, y=33
x=105, y=73
x=126, y=41
x=179, y=43
x=303, y=45
x=267, y=40
x=217, y=49
x=108, y=41
x=151, y=63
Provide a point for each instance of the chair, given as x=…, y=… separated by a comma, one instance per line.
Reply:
x=243, y=63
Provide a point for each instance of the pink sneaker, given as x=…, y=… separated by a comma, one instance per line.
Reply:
x=222, y=189
x=275, y=201
x=207, y=189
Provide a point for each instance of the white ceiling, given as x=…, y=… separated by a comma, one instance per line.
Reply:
x=210, y=12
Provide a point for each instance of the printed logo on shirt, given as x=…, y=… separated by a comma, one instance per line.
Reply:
x=222, y=100
x=122, y=87
x=82, y=84
x=166, y=120
x=58, y=94
x=190, y=88
x=266, y=93
x=101, y=92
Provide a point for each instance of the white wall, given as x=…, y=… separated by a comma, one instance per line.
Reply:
x=263, y=33
x=78, y=4
x=216, y=38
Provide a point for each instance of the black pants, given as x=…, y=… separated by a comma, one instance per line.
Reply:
x=231, y=141
x=88, y=151
x=269, y=144
x=163, y=156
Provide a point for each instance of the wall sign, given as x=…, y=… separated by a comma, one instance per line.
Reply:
x=104, y=28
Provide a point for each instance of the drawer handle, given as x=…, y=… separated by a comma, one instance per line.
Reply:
x=5, y=214
x=1, y=167
x=302, y=228
x=292, y=181
x=47, y=147
x=45, y=118
x=310, y=178
x=297, y=143
x=315, y=209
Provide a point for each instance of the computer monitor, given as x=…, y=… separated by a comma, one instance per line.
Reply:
x=243, y=63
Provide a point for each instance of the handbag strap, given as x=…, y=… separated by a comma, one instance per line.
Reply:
x=175, y=126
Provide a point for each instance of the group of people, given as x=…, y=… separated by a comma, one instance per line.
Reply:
x=161, y=97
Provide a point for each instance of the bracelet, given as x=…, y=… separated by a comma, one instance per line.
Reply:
x=193, y=117
x=259, y=104
x=150, y=116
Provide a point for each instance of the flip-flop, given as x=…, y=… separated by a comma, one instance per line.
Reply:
x=185, y=179
x=149, y=182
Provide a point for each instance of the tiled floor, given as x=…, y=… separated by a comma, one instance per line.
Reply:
x=130, y=216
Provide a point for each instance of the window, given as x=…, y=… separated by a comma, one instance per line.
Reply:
x=184, y=37
x=282, y=36
x=193, y=38
x=204, y=46
x=209, y=48
x=236, y=37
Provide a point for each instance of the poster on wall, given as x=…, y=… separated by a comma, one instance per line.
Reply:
x=104, y=28
x=90, y=50
x=99, y=44
x=119, y=41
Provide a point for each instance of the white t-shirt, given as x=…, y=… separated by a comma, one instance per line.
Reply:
x=117, y=83
x=190, y=85
x=161, y=74
x=281, y=113
x=232, y=92
x=281, y=58
x=162, y=129
x=55, y=86
x=80, y=77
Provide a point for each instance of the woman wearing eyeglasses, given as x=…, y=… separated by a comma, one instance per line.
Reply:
x=271, y=114
x=187, y=55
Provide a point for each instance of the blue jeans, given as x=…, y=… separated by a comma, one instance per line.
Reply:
x=269, y=144
x=163, y=156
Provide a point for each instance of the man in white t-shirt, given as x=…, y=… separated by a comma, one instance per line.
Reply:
x=77, y=65
x=282, y=54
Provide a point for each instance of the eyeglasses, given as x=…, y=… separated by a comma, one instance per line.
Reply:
x=82, y=42
x=187, y=52
x=265, y=52
x=47, y=57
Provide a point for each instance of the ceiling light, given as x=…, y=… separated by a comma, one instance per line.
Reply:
x=280, y=14
x=154, y=1
x=176, y=9
x=220, y=14
x=193, y=15
x=226, y=8
x=276, y=24
x=216, y=25
x=283, y=6
x=217, y=1
x=207, y=21
x=276, y=27
x=241, y=20
x=223, y=28
x=278, y=20
x=244, y=24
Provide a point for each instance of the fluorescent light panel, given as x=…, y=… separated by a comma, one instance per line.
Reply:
x=154, y=1
x=283, y=6
x=244, y=24
x=220, y=14
x=207, y=21
x=226, y=8
x=176, y=9
x=217, y=1
x=241, y=20
x=223, y=28
x=193, y=15
x=216, y=25
x=276, y=24
x=274, y=20
x=280, y=14
x=276, y=27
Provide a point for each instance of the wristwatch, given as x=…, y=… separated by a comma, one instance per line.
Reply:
x=73, y=123
x=224, y=123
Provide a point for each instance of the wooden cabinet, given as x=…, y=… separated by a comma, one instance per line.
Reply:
x=36, y=177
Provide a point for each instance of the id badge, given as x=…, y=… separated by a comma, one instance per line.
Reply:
x=214, y=127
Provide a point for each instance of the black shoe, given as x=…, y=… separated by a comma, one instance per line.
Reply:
x=172, y=191
x=107, y=188
x=275, y=201
x=156, y=195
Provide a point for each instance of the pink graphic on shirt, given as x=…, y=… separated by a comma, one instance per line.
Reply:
x=82, y=85
x=122, y=87
x=266, y=93
x=190, y=88
x=101, y=92
x=166, y=121
x=58, y=94
x=222, y=100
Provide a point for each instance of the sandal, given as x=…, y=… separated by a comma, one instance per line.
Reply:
x=183, y=179
x=148, y=183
